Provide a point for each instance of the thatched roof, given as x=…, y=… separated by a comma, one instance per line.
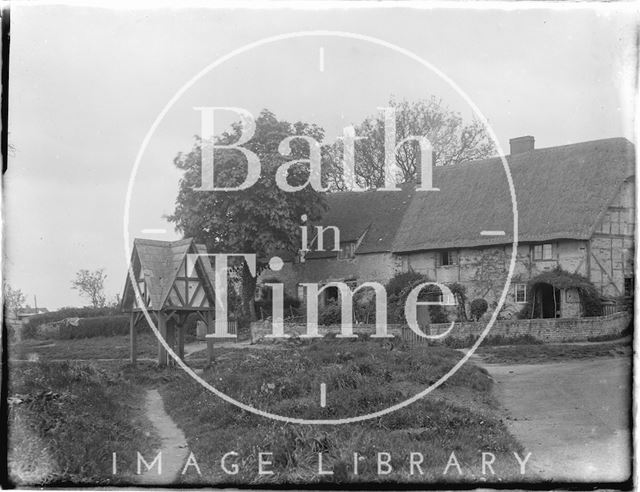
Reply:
x=159, y=262
x=561, y=279
x=561, y=192
x=378, y=213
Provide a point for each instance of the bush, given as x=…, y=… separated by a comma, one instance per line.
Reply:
x=591, y=303
x=398, y=289
x=290, y=305
x=400, y=281
x=330, y=314
x=478, y=307
x=103, y=326
x=31, y=325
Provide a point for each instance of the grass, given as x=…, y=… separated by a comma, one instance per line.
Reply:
x=492, y=340
x=112, y=347
x=66, y=419
x=536, y=354
x=361, y=377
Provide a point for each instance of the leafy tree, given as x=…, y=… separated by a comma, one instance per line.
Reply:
x=91, y=284
x=263, y=219
x=13, y=299
x=453, y=141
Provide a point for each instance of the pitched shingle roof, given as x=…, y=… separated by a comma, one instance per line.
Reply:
x=159, y=262
x=561, y=194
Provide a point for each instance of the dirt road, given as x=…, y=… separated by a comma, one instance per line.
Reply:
x=574, y=417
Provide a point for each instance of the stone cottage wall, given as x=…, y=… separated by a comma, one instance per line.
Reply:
x=483, y=271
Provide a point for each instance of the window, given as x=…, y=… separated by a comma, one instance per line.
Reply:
x=521, y=292
x=628, y=286
x=543, y=251
x=300, y=293
x=448, y=258
x=347, y=251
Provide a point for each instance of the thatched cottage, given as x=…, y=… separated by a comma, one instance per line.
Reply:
x=576, y=206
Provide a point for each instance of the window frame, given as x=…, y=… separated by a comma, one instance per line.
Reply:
x=520, y=288
x=629, y=286
x=541, y=249
x=451, y=255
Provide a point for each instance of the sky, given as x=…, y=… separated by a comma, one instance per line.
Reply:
x=87, y=83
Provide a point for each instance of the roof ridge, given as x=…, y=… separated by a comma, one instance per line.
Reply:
x=530, y=152
x=159, y=242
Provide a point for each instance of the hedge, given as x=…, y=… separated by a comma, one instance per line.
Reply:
x=101, y=326
x=106, y=326
x=33, y=322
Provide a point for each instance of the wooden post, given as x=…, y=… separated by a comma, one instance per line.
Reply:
x=210, y=329
x=132, y=338
x=180, y=329
x=171, y=340
x=162, y=328
x=533, y=302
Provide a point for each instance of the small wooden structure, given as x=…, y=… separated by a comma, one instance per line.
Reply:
x=173, y=283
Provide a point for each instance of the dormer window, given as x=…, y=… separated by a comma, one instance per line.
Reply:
x=347, y=250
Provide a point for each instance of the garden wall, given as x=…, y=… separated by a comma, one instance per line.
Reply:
x=546, y=330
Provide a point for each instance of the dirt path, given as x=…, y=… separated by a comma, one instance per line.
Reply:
x=574, y=417
x=193, y=347
x=174, y=444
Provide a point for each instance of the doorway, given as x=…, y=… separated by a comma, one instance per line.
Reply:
x=549, y=300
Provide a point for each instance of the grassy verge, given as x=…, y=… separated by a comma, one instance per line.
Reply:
x=361, y=377
x=536, y=354
x=112, y=347
x=66, y=420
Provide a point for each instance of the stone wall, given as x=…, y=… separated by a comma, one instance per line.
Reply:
x=546, y=330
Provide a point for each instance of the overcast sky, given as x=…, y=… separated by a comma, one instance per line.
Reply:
x=87, y=83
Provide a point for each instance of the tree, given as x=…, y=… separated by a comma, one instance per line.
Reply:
x=91, y=285
x=452, y=139
x=13, y=299
x=261, y=220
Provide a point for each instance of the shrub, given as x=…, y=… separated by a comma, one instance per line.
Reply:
x=103, y=326
x=398, y=289
x=330, y=314
x=32, y=324
x=400, y=281
x=591, y=303
x=290, y=304
x=478, y=307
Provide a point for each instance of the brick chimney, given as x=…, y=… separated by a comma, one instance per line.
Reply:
x=521, y=144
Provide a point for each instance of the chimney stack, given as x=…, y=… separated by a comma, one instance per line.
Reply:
x=521, y=144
